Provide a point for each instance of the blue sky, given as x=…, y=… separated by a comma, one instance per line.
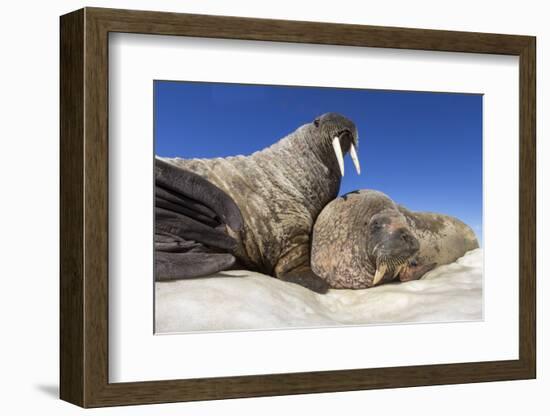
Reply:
x=422, y=149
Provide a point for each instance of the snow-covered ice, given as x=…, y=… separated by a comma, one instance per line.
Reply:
x=243, y=300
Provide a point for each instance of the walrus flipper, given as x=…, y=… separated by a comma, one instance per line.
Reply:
x=193, y=219
x=308, y=279
x=172, y=266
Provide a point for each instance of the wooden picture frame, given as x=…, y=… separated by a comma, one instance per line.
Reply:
x=84, y=207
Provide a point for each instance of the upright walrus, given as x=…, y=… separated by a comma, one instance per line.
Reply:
x=279, y=192
x=364, y=239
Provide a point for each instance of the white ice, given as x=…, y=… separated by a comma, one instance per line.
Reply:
x=243, y=300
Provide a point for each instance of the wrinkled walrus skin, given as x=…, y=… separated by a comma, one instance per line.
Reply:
x=280, y=191
x=364, y=239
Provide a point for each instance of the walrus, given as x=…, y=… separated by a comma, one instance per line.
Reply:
x=364, y=239
x=253, y=211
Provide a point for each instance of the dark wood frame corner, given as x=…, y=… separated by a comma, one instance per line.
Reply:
x=84, y=210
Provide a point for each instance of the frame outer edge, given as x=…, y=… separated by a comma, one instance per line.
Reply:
x=71, y=336
x=528, y=208
x=96, y=211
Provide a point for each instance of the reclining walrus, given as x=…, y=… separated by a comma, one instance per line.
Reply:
x=364, y=239
x=254, y=211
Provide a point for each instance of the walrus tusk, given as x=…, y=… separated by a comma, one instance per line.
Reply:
x=338, y=152
x=355, y=159
x=379, y=275
x=398, y=270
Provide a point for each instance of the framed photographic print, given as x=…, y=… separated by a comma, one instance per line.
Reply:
x=255, y=207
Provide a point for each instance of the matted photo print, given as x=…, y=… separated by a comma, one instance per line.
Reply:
x=280, y=207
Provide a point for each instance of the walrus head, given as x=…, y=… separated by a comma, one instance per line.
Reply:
x=338, y=136
x=390, y=245
x=361, y=240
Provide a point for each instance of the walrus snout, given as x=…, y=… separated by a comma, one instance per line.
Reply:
x=335, y=123
x=398, y=243
x=396, y=246
x=410, y=240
